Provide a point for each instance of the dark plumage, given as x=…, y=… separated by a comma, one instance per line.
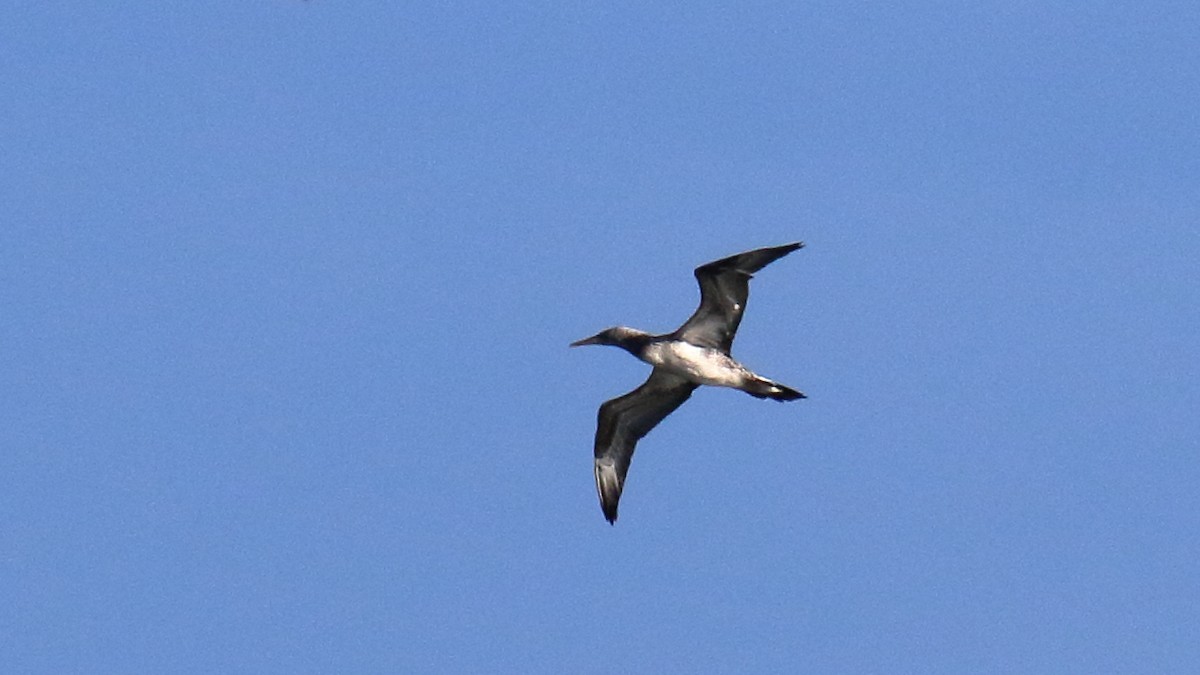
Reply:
x=697, y=353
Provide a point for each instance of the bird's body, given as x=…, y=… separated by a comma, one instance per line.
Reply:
x=702, y=365
x=695, y=354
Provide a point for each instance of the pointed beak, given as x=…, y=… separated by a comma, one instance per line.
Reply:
x=594, y=340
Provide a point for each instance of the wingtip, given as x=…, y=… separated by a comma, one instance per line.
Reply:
x=610, y=512
x=608, y=488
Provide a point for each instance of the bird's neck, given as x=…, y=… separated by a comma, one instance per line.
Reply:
x=635, y=343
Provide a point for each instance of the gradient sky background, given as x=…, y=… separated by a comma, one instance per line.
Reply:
x=287, y=288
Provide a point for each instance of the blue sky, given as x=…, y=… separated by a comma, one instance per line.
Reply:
x=287, y=289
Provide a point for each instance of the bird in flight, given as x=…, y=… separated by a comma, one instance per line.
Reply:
x=696, y=353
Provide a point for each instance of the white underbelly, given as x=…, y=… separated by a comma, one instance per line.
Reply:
x=698, y=364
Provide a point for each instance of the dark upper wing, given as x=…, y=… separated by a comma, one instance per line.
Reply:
x=624, y=420
x=724, y=289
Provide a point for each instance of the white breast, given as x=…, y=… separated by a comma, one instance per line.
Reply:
x=698, y=364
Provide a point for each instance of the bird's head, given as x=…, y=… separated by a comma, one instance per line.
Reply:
x=617, y=336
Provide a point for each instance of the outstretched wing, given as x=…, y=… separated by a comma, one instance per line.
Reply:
x=724, y=289
x=623, y=421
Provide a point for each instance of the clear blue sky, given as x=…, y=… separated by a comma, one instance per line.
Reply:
x=287, y=288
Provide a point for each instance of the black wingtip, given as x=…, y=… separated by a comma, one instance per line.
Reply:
x=608, y=488
x=610, y=514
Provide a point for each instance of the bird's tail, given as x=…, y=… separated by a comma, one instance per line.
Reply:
x=761, y=387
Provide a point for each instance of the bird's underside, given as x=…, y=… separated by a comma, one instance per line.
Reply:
x=697, y=353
